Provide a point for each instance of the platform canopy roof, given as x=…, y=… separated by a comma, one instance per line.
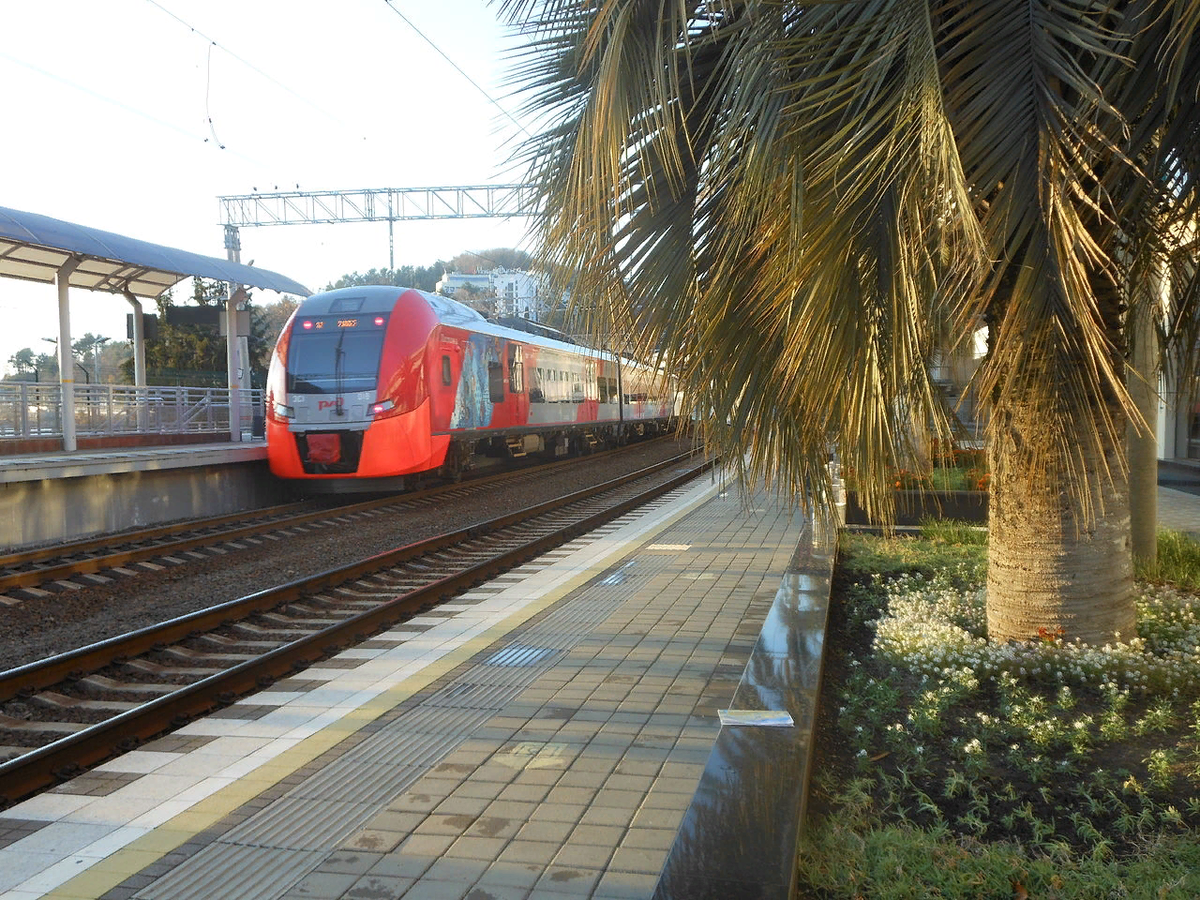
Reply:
x=33, y=247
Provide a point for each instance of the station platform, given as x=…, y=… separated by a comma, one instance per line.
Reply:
x=119, y=460
x=49, y=498
x=547, y=735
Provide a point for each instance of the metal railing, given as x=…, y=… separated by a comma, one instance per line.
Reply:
x=32, y=410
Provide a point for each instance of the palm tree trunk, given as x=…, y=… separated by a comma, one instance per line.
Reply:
x=1143, y=443
x=1055, y=568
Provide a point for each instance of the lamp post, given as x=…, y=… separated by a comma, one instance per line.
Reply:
x=87, y=379
x=100, y=342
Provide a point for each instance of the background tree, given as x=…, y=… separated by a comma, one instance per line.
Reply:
x=87, y=351
x=47, y=366
x=795, y=202
x=25, y=366
x=424, y=278
x=187, y=355
x=267, y=323
x=81, y=373
x=472, y=262
x=113, y=356
x=482, y=300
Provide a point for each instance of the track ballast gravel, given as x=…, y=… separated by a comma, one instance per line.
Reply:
x=39, y=627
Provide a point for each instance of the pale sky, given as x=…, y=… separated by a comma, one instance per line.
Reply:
x=115, y=112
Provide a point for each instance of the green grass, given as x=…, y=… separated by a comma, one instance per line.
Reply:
x=950, y=767
x=953, y=532
x=908, y=862
x=941, y=545
x=1178, y=561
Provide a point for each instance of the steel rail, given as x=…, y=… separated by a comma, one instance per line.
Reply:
x=83, y=660
x=273, y=519
x=88, y=545
x=32, y=771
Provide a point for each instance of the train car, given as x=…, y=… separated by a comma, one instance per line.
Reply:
x=371, y=387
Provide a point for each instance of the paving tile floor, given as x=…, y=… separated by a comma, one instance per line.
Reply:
x=1179, y=510
x=577, y=785
x=541, y=739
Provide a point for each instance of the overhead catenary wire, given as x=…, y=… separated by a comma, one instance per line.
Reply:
x=213, y=42
x=490, y=99
x=122, y=105
x=207, y=90
x=457, y=67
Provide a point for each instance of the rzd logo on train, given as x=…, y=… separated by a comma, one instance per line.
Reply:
x=329, y=404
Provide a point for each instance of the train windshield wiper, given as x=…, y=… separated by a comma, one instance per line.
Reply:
x=339, y=374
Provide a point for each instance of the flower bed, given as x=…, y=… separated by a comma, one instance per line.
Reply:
x=948, y=766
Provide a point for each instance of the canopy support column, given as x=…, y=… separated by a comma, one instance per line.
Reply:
x=66, y=359
x=139, y=359
x=139, y=341
x=233, y=354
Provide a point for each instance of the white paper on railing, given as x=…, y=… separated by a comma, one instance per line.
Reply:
x=776, y=717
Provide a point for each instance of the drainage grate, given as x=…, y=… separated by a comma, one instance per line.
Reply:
x=520, y=655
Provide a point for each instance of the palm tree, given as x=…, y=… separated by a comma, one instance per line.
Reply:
x=798, y=202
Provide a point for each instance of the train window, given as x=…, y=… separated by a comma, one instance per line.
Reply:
x=447, y=376
x=602, y=385
x=612, y=389
x=496, y=382
x=516, y=370
x=333, y=362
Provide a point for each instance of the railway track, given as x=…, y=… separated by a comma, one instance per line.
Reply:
x=67, y=712
x=111, y=557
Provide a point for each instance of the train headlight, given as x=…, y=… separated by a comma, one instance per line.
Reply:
x=284, y=412
x=381, y=407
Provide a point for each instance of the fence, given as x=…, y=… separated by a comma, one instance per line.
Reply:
x=29, y=410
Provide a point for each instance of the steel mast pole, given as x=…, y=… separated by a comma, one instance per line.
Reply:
x=233, y=250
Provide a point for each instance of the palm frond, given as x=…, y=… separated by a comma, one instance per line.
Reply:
x=1043, y=145
x=742, y=181
x=797, y=204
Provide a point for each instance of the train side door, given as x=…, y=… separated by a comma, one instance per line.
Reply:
x=444, y=375
x=518, y=395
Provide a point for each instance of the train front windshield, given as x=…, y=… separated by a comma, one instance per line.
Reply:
x=334, y=356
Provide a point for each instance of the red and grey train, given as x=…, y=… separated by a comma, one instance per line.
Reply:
x=370, y=386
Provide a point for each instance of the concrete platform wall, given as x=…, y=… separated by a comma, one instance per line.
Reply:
x=53, y=510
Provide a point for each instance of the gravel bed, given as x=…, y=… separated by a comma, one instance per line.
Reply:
x=41, y=627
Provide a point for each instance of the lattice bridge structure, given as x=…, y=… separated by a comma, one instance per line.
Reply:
x=371, y=205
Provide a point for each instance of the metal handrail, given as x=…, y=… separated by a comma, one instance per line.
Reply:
x=34, y=410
